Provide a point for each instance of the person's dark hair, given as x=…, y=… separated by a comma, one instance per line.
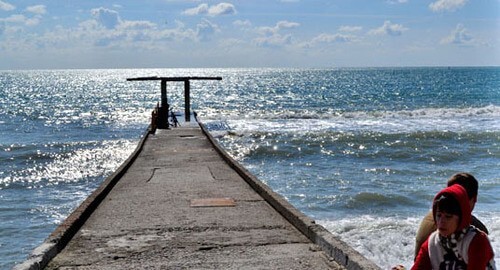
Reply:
x=467, y=181
x=448, y=204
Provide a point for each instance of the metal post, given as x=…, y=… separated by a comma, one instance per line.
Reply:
x=187, y=101
x=164, y=93
x=163, y=111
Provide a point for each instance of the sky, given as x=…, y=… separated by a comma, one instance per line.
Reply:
x=62, y=34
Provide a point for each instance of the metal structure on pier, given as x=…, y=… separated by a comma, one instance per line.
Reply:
x=162, y=116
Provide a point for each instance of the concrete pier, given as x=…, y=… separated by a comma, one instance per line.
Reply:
x=181, y=203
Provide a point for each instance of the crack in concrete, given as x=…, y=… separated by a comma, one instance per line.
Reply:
x=153, y=171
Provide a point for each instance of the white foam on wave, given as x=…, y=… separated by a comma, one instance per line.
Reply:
x=486, y=111
x=421, y=120
x=389, y=241
x=492, y=222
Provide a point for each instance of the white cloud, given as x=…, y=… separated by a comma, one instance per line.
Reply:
x=21, y=19
x=222, y=9
x=106, y=17
x=199, y=10
x=446, y=5
x=17, y=18
x=232, y=43
x=205, y=30
x=180, y=33
x=243, y=24
x=347, y=28
x=266, y=30
x=276, y=40
x=6, y=6
x=215, y=10
x=108, y=30
x=329, y=38
x=137, y=25
x=38, y=9
x=286, y=24
x=32, y=21
x=459, y=36
x=110, y=39
x=397, y=1
x=389, y=29
x=271, y=36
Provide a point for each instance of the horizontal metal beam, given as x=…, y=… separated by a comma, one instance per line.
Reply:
x=173, y=79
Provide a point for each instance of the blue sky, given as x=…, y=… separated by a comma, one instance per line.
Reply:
x=248, y=33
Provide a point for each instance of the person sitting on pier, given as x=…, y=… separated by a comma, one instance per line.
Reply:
x=427, y=226
x=456, y=244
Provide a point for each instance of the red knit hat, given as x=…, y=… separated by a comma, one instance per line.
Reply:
x=460, y=195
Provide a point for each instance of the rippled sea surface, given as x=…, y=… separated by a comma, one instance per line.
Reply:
x=362, y=151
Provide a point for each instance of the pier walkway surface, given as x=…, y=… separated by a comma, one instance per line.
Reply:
x=181, y=205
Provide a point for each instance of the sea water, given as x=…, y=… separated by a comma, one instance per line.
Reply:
x=361, y=151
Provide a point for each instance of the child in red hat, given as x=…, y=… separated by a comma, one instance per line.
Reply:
x=456, y=244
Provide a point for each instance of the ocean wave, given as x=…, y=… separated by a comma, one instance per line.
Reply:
x=485, y=119
x=328, y=113
x=487, y=111
x=390, y=240
x=386, y=240
x=399, y=146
